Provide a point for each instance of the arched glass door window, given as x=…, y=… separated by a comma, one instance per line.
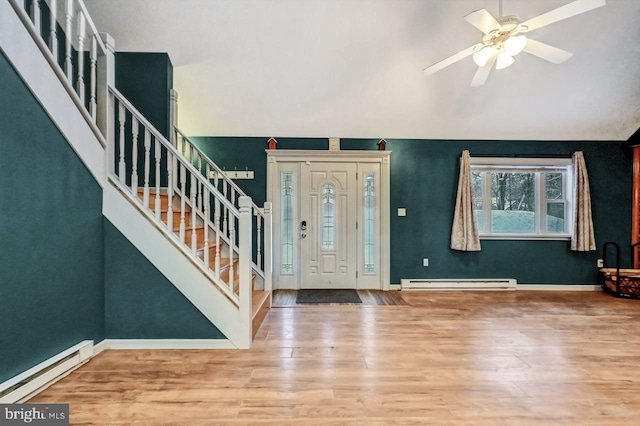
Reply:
x=328, y=216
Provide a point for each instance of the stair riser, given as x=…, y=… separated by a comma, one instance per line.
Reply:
x=176, y=218
x=164, y=200
x=188, y=236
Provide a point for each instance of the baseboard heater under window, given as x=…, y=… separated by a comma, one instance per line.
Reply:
x=32, y=381
x=459, y=284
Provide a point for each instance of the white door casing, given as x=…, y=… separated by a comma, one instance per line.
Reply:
x=303, y=261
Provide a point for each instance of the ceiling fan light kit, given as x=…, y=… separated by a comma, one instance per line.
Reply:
x=504, y=38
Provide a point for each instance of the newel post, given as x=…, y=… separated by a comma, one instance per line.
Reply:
x=105, y=102
x=268, y=247
x=244, y=267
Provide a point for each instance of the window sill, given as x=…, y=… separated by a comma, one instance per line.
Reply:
x=526, y=237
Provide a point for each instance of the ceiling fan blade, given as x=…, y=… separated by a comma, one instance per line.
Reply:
x=483, y=72
x=450, y=60
x=567, y=11
x=483, y=20
x=546, y=52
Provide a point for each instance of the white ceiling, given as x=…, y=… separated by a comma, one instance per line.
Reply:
x=353, y=68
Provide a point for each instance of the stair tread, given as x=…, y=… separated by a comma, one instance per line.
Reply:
x=258, y=299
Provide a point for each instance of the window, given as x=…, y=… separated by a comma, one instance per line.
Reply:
x=522, y=198
x=369, y=223
x=286, y=181
x=328, y=216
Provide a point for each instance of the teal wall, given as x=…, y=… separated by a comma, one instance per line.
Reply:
x=140, y=303
x=146, y=80
x=424, y=177
x=51, y=233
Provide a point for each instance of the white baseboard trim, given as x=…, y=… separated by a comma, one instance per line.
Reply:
x=558, y=287
x=149, y=344
x=99, y=348
x=395, y=286
x=36, y=379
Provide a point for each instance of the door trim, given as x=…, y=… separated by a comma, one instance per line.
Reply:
x=302, y=156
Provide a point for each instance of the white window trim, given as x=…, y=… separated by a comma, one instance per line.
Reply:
x=535, y=165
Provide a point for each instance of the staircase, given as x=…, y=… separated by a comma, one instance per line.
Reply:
x=210, y=253
x=204, y=234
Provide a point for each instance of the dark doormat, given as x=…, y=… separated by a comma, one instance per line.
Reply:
x=328, y=296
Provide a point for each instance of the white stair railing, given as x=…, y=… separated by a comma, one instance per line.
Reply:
x=190, y=201
x=262, y=232
x=55, y=22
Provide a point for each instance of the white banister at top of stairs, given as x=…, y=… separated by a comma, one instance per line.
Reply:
x=70, y=21
x=189, y=196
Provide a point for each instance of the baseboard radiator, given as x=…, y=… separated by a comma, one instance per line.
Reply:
x=459, y=284
x=34, y=380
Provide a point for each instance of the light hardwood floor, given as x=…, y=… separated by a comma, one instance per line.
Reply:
x=450, y=358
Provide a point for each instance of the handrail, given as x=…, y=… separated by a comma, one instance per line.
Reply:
x=184, y=144
x=216, y=168
x=202, y=205
x=57, y=69
x=172, y=149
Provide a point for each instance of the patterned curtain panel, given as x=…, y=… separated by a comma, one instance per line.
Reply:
x=464, y=233
x=583, y=238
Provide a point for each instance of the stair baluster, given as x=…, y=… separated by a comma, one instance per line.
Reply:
x=53, y=37
x=258, y=237
x=157, y=200
x=93, y=77
x=216, y=221
x=81, y=33
x=206, y=227
x=183, y=201
x=134, y=156
x=36, y=15
x=170, y=185
x=147, y=160
x=194, y=236
x=232, y=243
x=121, y=164
x=68, y=17
x=224, y=217
x=199, y=191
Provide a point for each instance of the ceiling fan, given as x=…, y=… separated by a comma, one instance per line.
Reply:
x=505, y=37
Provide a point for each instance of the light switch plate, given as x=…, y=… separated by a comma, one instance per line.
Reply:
x=402, y=211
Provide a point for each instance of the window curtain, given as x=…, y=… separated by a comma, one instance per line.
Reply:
x=464, y=233
x=583, y=238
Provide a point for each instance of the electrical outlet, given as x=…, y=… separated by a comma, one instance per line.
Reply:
x=600, y=263
x=425, y=262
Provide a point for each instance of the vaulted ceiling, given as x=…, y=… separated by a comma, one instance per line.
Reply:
x=353, y=68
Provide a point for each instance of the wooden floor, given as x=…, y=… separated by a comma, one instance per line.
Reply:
x=469, y=358
x=287, y=298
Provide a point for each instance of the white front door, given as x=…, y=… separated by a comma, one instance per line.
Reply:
x=328, y=220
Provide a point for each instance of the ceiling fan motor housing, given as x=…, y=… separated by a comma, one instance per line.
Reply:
x=509, y=26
